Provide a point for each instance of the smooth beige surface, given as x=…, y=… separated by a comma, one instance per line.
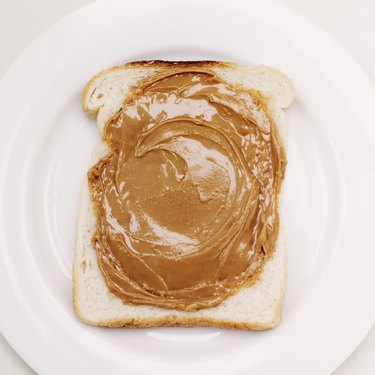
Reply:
x=349, y=21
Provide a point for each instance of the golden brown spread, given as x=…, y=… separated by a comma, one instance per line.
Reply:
x=187, y=199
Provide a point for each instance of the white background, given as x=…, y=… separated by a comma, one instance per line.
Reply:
x=350, y=22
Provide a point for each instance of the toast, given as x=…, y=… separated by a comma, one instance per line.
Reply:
x=256, y=307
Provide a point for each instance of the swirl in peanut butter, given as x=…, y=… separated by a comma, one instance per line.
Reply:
x=187, y=198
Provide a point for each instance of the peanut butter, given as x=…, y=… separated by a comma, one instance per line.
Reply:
x=187, y=198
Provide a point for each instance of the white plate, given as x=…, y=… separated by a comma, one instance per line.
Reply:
x=328, y=209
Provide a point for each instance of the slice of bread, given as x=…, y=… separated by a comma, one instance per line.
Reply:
x=256, y=307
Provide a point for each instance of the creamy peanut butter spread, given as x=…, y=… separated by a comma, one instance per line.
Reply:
x=187, y=198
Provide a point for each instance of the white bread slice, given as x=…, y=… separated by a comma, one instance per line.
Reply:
x=256, y=307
